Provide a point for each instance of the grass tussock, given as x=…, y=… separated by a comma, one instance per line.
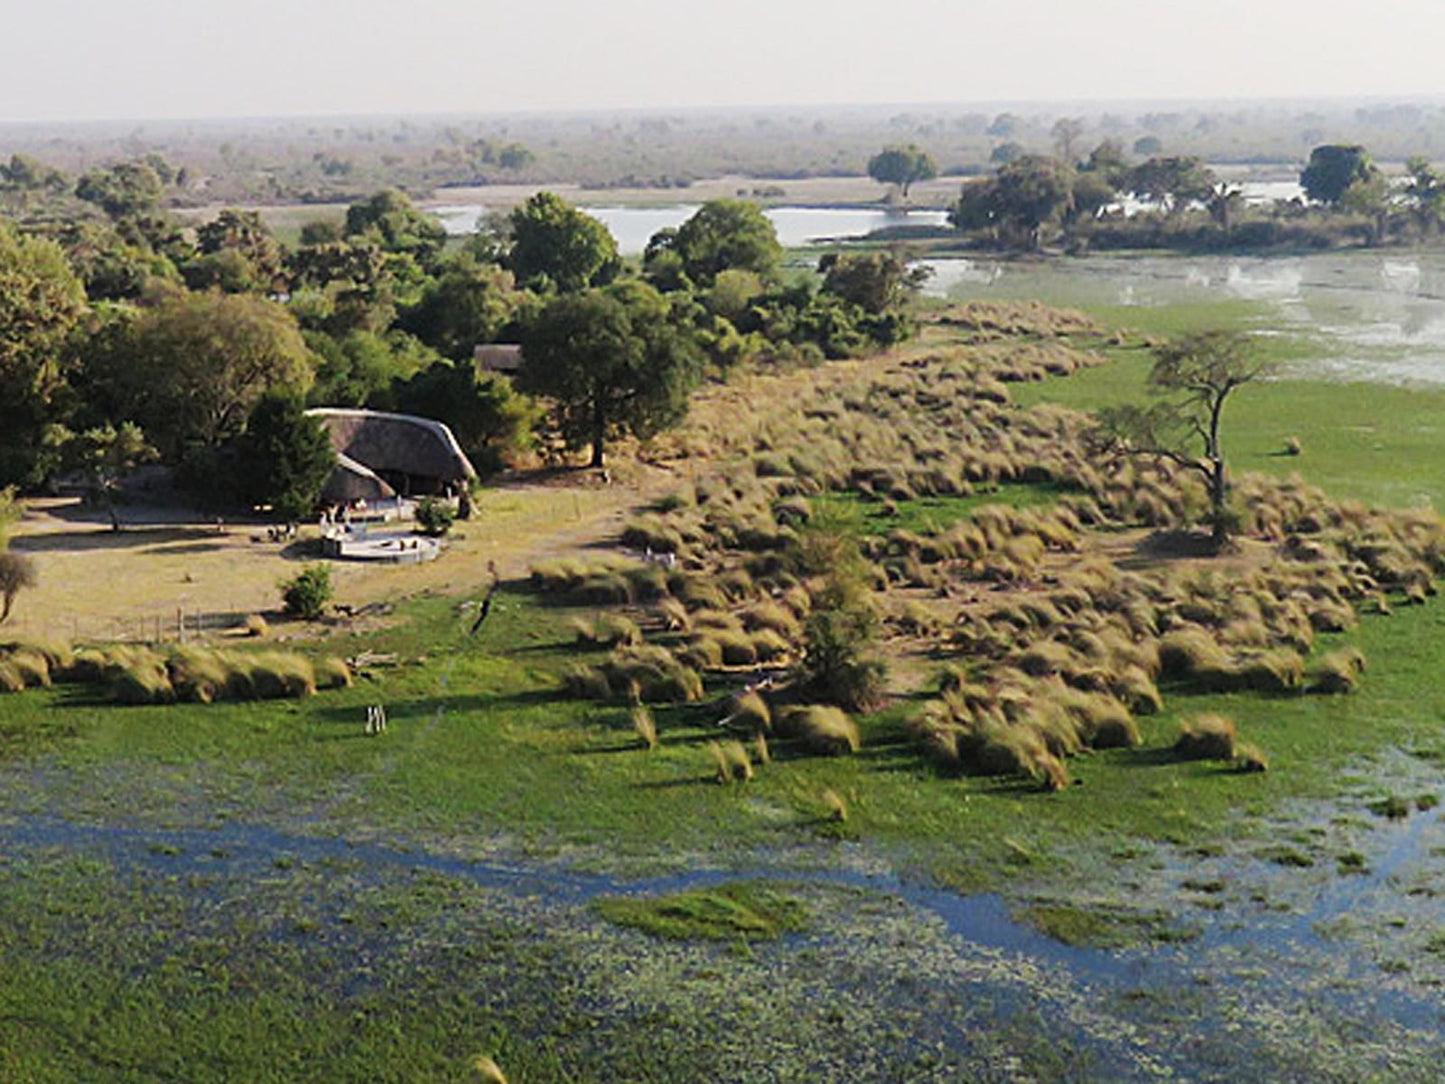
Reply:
x=1338, y=672
x=1207, y=737
x=820, y=729
x=730, y=761
x=644, y=726
x=651, y=673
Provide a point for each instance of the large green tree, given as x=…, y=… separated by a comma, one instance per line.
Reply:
x=1331, y=170
x=129, y=188
x=285, y=457
x=394, y=221
x=612, y=361
x=1171, y=182
x=722, y=235
x=191, y=368
x=1019, y=201
x=41, y=302
x=553, y=243
x=471, y=302
x=491, y=421
x=238, y=253
x=903, y=166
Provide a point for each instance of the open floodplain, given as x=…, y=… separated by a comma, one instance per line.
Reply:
x=263, y=891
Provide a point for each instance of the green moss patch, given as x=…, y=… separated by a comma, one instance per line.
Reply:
x=744, y=910
x=1104, y=925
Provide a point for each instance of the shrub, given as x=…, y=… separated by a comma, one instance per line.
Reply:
x=821, y=728
x=1207, y=737
x=435, y=517
x=770, y=615
x=306, y=596
x=1277, y=671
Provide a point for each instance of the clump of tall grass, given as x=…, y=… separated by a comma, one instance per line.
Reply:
x=1207, y=737
x=644, y=726
x=750, y=712
x=332, y=673
x=30, y=666
x=1338, y=671
x=730, y=761
x=276, y=675
x=137, y=675
x=10, y=679
x=820, y=728
x=198, y=676
x=773, y=616
x=607, y=630
x=657, y=676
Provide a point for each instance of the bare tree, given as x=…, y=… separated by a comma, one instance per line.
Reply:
x=1192, y=378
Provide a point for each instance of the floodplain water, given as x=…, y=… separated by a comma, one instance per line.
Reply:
x=1372, y=316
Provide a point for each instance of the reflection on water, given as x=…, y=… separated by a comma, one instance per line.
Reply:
x=1373, y=317
x=633, y=227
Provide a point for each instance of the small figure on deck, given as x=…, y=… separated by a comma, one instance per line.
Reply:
x=486, y=607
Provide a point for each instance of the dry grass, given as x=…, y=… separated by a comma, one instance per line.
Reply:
x=1207, y=737
x=819, y=728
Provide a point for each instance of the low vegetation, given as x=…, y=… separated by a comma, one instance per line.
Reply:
x=741, y=910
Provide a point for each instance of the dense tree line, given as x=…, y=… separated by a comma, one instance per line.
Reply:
x=127, y=335
x=1034, y=200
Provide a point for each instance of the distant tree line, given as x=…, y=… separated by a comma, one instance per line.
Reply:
x=1035, y=200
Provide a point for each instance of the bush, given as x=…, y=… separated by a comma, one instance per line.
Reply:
x=307, y=595
x=435, y=517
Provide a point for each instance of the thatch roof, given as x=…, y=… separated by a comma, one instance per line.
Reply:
x=396, y=444
x=352, y=481
x=498, y=357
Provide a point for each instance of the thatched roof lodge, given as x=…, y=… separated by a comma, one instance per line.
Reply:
x=503, y=358
x=405, y=453
x=352, y=481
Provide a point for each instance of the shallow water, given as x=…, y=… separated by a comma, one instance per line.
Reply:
x=1312, y=953
x=1371, y=316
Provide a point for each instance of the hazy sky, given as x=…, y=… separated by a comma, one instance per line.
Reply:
x=83, y=59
